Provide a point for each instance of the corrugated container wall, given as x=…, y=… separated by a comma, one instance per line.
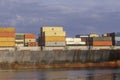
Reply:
x=30, y=40
x=20, y=37
x=51, y=28
x=54, y=39
x=50, y=33
x=102, y=38
x=32, y=44
x=7, y=44
x=74, y=42
x=29, y=36
x=7, y=37
x=57, y=44
x=102, y=43
x=7, y=29
x=52, y=36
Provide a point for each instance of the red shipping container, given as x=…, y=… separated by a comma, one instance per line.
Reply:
x=32, y=44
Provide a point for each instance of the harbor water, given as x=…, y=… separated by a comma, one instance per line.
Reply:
x=61, y=74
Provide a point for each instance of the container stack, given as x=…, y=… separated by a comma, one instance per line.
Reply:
x=7, y=37
x=83, y=37
x=30, y=40
x=74, y=42
x=116, y=38
x=20, y=37
x=53, y=36
x=100, y=41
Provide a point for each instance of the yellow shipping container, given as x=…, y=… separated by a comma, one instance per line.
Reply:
x=7, y=44
x=7, y=29
x=93, y=35
x=30, y=40
x=55, y=38
x=7, y=39
x=50, y=28
x=54, y=33
x=19, y=40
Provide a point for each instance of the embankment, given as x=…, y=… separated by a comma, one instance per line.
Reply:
x=59, y=59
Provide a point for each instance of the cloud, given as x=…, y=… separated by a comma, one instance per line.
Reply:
x=82, y=16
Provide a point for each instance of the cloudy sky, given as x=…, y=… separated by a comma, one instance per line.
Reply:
x=76, y=16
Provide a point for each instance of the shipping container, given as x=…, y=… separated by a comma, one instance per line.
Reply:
x=32, y=44
x=19, y=40
x=82, y=35
x=20, y=36
x=55, y=44
x=75, y=43
x=50, y=33
x=50, y=29
x=29, y=36
x=117, y=33
x=19, y=44
x=102, y=43
x=7, y=29
x=7, y=39
x=6, y=34
x=117, y=38
x=93, y=35
x=104, y=35
x=7, y=44
x=30, y=40
x=102, y=38
x=73, y=39
x=55, y=39
x=117, y=43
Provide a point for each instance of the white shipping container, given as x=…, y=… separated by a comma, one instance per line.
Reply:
x=75, y=43
x=54, y=43
x=73, y=39
x=30, y=40
x=19, y=45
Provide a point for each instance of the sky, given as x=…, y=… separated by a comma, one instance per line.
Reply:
x=75, y=16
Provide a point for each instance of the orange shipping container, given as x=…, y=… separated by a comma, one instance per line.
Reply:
x=5, y=34
x=102, y=43
x=32, y=44
x=29, y=36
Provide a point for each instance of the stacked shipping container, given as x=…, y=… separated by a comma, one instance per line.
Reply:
x=100, y=41
x=19, y=39
x=30, y=40
x=53, y=36
x=7, y=37
x=83, y=38
x=74, y=42
x=115, y=38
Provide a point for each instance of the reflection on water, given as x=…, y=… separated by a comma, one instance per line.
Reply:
x=61, y=74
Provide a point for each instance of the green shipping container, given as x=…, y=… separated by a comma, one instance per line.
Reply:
x=19, y=37
x=102, y=38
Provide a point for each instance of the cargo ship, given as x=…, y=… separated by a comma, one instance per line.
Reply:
x=53, y=49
